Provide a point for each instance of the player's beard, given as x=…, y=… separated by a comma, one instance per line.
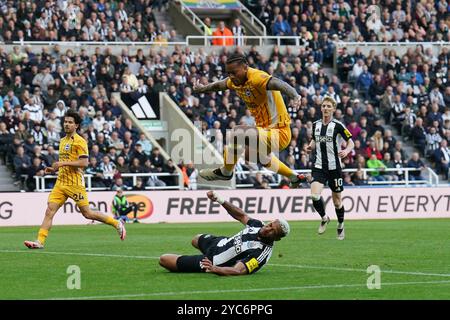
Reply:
x=69, y=130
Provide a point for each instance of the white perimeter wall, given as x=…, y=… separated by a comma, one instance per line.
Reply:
x=21, y=209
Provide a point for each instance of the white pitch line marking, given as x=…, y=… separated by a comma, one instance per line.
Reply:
x=154, y=294
x=270, y=264
x=79, y=254
x=359, y=270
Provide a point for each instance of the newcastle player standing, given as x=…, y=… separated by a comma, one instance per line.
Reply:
x=328, y=135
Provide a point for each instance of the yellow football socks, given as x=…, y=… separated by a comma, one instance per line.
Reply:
x=42, y=235
x=112, y=222
x=279, y=167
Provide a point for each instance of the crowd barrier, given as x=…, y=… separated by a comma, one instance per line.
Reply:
x=22, y=209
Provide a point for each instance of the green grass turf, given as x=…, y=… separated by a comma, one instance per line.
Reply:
x=303, y=266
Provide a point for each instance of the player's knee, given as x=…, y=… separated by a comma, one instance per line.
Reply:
x=87, y=214
x=315, y=197
x=264, y=160
x=337, y=203
x=167, y=261
x=50, y=212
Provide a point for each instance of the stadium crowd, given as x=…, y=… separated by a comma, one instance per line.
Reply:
x=37, y=88
x=411, y=91
x=76, y=20
x=317, y=22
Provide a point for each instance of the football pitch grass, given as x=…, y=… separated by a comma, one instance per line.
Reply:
x=413, y=256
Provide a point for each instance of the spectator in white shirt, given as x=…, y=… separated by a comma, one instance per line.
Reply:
x=60, y=109
x=98, y=121
x=35, y=111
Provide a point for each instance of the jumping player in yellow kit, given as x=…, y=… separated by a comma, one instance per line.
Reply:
x=262, y=95
x=73, y=157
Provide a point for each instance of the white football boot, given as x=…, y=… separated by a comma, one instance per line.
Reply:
x=214, y=174
x=33, y=244
x=323, y=225
x=121, y=230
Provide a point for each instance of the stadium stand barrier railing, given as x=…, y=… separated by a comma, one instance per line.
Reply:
x=400, y=47
x=433, y=179
x=254, y=20
x=119, y=44
x=196, y=21
x=116, y=47
x=41, y=181
x=259, y=40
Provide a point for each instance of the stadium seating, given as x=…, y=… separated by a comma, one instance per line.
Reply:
x=404, y=21
x=382, y=95
x=83, y=21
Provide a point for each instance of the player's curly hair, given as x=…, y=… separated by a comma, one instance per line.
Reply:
x=76, y=117
x=330, y=99
x=237, y=58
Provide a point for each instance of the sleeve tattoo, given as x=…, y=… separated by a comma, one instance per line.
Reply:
x=280, y=85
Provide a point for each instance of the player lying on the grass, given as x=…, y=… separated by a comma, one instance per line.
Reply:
x=328, y=135
x=244, y=253
x=73, y=158
x=262, y=95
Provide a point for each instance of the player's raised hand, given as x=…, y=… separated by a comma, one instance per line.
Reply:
x=343, y=153
x=213, y=196
x=49, y=170
x=197, y=88
x=309, y=148
x=210, y=195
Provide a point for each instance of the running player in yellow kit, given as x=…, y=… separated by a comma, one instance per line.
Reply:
x=262, y=95
x=73, y=157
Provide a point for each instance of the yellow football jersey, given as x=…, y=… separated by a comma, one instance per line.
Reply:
x=266, y=106
x=72, y=149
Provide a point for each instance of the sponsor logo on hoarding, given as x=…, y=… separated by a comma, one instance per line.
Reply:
x=145, y=205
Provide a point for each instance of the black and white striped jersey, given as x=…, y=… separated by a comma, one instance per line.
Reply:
x=328, y=139
x=245, y=247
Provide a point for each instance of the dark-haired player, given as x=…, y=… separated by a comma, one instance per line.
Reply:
x=73, y=157
x=328, y=135
x=262, y=95
x=244, y=253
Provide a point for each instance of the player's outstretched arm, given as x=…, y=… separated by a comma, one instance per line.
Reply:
x=233, y=211
x=285, y=88
x=215, y=86
x=49, y=170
